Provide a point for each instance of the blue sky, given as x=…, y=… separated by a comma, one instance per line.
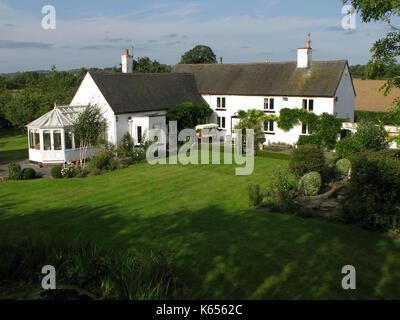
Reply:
x=95, y=33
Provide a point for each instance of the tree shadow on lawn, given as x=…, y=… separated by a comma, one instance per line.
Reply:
x=241, y=255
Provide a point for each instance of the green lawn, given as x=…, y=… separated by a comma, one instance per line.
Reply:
x=223, y=250
x=13, y=145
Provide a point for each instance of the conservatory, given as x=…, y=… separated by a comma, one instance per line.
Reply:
x=50, y=137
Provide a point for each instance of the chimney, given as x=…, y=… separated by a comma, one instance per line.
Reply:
x=304, y=55
x=127, y=62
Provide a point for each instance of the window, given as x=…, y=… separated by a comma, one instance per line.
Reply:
x=31, y=139
x=221, y=122
x=37, y=140
x=68, y=139
x=308, y=104
x=269, y=126
x=139, y=134
x=221, y=103
x=304, y=128
x=34, y=139
x=269, y=104
x=57, y=140
x=46, y=140
x=311, y=105
x=77, y=142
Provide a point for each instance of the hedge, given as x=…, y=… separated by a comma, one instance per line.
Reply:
x=374, y=116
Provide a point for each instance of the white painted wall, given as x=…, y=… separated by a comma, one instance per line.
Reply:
x=89, y=93
x=236, y=103
x=344, y=106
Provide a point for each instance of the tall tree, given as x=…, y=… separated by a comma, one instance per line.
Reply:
x=199, y=54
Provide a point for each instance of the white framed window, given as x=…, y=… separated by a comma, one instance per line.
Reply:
x=221, y=103
x=269, y=104
x=57, y=144
x=269, y=126
x=68, y=138
x=308, y=104
x=47, y=140
x=304, y=129
x=221, y=122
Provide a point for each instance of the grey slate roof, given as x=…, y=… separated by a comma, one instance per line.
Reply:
x=138, y=92
x=267, y=79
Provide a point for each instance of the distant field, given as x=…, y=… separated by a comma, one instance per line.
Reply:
x=369, y=98
x=13, y=145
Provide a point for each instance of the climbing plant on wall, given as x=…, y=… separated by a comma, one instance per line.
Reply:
x=323, y=129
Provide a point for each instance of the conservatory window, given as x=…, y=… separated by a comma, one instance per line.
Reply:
x=77, y=142
x=68, y=139
x=57, y=140
x=46, y=140
x=37, y=140
x=31, y=139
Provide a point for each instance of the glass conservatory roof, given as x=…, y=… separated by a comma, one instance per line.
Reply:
x=59, y=117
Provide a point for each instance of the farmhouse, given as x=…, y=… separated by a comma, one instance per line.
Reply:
x=136, y=103
x=318, y=86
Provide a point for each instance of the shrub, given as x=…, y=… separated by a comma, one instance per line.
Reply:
x=310, y=184
x=101, y=160
x=95, y=172
x=310, y=139
x=343, y=166
x=56, y=172
x=371, y=136
x=305, y=159
x=14, y=171
x=374, y=116
x=347, y=147
x=126, y=147
x=329, y=171
x=28, y=174
x=374, y=190
x=255, y=196
x=68, y=170
x=278, y=196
